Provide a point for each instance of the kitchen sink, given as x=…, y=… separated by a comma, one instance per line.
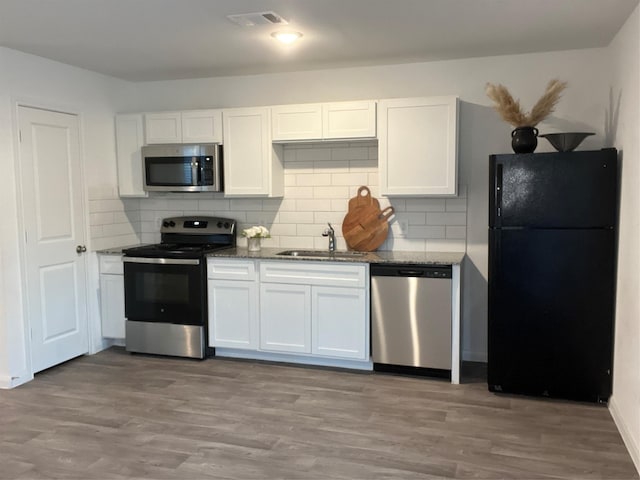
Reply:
x=320, y=254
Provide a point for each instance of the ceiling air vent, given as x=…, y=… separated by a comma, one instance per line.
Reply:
x=259, y=18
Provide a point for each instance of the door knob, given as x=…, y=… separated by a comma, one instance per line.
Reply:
x=81, y=249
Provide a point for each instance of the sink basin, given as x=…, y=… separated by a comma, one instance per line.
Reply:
x=320, y=254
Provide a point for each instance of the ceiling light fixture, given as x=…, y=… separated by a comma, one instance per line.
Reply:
x=286, y=37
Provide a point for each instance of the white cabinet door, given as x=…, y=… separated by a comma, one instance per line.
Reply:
x=349, y=120
x=297, y=122
x=285, y=318
x=202, y=126
x=233, y=314
x=112, y=305
x=163, y=127
x=129, y=140
x=112, y=295
x=328, y=121
x=417, y=146
x=253, y=166
x=339, y=322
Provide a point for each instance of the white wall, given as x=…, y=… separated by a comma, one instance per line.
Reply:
x=625, y=87
x=582, y=108
x=43, y=83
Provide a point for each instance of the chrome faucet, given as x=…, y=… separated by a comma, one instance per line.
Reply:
x=330, y=232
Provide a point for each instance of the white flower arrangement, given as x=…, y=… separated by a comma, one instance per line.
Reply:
x=256, y=232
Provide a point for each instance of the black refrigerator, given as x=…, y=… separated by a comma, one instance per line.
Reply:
x=552, y=257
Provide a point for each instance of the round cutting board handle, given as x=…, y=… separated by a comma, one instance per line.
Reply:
x=365, y=189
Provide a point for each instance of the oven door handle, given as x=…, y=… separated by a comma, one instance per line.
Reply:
x=163, y=261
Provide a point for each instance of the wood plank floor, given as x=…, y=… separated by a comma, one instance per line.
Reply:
x=116, y=415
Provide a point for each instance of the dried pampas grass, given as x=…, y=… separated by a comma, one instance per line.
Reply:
x=510, y=111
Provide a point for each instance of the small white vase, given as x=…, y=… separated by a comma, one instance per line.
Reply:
x=254, y=244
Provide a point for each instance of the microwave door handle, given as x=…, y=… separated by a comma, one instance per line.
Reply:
x=202, y=165
x=194, y=171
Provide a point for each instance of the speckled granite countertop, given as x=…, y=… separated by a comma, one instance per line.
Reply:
x=117, y=250
x=428, y=258
x=432, y=258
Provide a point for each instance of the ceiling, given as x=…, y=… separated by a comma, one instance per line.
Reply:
x=142, y=40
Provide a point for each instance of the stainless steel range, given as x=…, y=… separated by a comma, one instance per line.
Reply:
x=165, y=286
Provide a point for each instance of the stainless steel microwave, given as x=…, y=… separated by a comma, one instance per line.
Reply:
x=183, y=168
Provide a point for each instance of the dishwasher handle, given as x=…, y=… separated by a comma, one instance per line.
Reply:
x=411, y=273
x=421, y=271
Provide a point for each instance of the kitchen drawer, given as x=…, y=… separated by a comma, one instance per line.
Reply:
x=225, y=269
x=314, y=273
x=111, y=265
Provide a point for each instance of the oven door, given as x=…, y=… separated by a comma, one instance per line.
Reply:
x=165, y=290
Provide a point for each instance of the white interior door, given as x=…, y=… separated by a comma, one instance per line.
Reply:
x=54, y=229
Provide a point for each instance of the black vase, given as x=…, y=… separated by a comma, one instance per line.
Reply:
x=524, y=139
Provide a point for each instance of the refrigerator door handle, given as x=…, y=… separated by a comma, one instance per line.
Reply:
x=498, y=191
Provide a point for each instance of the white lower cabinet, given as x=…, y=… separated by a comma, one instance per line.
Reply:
x=315, y=307
x=304, y=312
x=285, y=317
x=112, y=296
x=233, y=308
x=337, y=319
x=233, y=304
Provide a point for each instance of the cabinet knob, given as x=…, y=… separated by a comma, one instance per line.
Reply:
x=81, y=249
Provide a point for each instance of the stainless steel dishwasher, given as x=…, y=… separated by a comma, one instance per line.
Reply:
x=411, y=319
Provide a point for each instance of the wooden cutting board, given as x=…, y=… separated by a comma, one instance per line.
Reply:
x=362, y=199
x=378, y=233
x=366, y=228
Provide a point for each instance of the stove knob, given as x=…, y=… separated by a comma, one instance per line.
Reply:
x=227, y=224
x=219, y=224
x=165, y=224
x=172, y=223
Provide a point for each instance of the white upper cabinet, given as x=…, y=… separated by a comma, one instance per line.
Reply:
x=129, y=140
x=253, y=166
x=324, y=121
x=163, y=127
x=418, y=146
x=202, y=126
x=297, y=122
x=193, y=126
x=349, y=120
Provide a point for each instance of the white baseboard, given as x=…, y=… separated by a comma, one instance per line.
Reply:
x=287, y=358
x=627, y=438
x=7, y=382
x=470, y=356
x=105, y=343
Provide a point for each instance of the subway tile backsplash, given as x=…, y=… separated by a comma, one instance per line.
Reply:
x=320, y=179
x=113, y=222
